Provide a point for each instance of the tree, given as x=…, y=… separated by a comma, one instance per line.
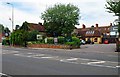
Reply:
x=114, y=7
x=19, y=37
x=60, y=19
x=6, y=30
x=24, y=26
x=1, y=28
x=17, y=27
x=32, y=36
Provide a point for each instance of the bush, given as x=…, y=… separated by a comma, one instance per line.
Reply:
x=61, y=40
x=70, y=43
x=32, y=36
x=76, y=41
x=4, y=42
x=50, y=40
x=19, y=37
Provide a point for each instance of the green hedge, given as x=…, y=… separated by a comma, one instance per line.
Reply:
x=50, y=40
x=61, y=40
x=76, y=41
x=5, y=42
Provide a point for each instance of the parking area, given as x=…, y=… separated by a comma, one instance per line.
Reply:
x=107, y=48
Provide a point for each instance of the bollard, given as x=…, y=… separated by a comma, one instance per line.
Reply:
x=70, y=47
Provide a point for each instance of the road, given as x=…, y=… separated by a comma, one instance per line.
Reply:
x=97, y=59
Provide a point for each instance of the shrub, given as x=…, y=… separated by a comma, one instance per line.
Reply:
x=50, y=40
x=32, y=36
x=19, y=37
x=76, y=41
x=70, y=43
x=61, y=40
x=4, y=42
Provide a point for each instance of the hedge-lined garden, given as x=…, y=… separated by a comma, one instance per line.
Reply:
x=62, y=43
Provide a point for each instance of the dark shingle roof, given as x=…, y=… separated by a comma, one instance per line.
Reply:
x=37, y=27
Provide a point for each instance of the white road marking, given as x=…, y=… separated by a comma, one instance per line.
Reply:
x=84, y=59
x=39, y=55
x=46, y=57
x=9, y=52
x=91, y=62
x=72, y=59
x=118, y=66
x=98, y=65
x=30, y=53
x=2, y=74
x=96, y=62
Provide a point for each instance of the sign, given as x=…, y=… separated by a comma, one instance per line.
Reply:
x=45, y=40
x=39, y=37
x=55, y=40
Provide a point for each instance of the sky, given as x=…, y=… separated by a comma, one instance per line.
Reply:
x=91, y=11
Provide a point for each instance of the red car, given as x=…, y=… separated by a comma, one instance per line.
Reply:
x=106, y=42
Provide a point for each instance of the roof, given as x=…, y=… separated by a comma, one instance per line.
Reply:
x=103, y=29
x=94, y=33
x=37, y=27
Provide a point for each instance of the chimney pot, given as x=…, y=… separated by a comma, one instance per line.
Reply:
x=110, y=24
x=83, y=26
x=96, y=25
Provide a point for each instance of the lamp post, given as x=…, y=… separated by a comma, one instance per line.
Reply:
x=12, y=19
x=12, y=14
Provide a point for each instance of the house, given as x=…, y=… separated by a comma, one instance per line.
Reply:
x=39, y=27
x=95, y=33
x=114, y=31
x=2, y=36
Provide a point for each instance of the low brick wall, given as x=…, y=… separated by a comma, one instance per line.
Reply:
x=50, y=46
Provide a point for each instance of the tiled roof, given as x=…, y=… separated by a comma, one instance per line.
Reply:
x=94, y=33
x=37, y=27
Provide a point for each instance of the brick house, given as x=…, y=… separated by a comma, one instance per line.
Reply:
x=95, y=33
x=39, y=27
x=1, y=36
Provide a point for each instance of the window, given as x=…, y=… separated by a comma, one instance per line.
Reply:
x=115, y=28
x=95, y=40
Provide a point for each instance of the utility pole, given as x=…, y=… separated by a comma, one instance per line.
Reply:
x=12, y=15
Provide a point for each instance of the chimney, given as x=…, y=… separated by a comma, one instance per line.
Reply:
x=96, y=25
x=40, y=23
x=83, y=26
x=110, y=24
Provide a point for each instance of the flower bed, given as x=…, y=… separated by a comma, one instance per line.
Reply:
x=50, y=46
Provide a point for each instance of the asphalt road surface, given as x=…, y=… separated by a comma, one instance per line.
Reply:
x=97, y=59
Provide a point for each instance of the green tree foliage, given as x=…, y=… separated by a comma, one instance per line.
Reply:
x=61, y=18
x=24, y=26
x=114, y=7
x=1, y=28
x=32, y=36
x=19, y=37
x=6, y=30
x=17, y=27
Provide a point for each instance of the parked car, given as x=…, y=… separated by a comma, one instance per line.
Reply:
x=82, y=42
x=88, y=41
x=106, y=42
